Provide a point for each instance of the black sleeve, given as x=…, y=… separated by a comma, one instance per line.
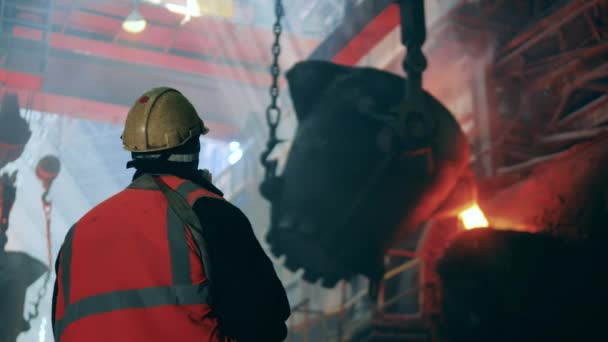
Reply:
x=248, y=297
x=54, y=303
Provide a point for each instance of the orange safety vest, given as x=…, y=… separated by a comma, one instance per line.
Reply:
x=128, y=271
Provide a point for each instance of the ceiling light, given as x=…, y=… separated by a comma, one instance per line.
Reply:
x=235, y=156
x=234, y=145
x=134, y=23
x=192, y=8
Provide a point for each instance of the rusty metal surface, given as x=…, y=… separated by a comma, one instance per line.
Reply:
x=562, y=196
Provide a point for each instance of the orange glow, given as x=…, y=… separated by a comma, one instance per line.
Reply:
x=473, y=217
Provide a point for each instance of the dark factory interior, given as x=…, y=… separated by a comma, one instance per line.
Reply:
x=429, y=171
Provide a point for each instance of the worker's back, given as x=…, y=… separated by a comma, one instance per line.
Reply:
x=131, y=272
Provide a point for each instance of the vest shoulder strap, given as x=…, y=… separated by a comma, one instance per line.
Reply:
x=184, y=211
x=181, y=201
x=187, y=189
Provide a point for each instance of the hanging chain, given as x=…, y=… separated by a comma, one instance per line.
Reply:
x=273, y=112
x=40, y=296
x=413, y=35
x=47, y=208
x=417, y=128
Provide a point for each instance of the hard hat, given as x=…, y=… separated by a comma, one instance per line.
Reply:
x=161, y=119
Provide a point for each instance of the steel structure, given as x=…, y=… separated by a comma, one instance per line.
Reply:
x=547, y=84
x=527, y=80
x=45, y=44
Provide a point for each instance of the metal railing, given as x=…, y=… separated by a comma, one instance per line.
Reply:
x=385, y=302
x=340, y=323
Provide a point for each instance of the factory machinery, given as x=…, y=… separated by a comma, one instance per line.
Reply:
x=377, y=164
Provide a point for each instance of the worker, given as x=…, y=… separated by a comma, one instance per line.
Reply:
x=166, y=259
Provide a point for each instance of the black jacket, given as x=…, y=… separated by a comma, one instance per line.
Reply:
x=248, y=297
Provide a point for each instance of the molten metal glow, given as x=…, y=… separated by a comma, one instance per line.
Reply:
x=473, y=217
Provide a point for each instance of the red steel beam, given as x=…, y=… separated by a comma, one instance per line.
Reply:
x=401, y=253
x=200, y=35
x=374, y=32
x=27, y=88
x=205, y=36
x=94, y=111
x=543, y=29
x=11, y=79
x=70, y=106
x=132, y=55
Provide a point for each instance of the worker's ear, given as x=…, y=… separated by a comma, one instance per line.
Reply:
x=308, y=81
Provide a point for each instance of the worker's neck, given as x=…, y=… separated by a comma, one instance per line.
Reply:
x=182, y=170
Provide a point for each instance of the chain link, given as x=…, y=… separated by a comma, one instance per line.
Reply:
x=413, y=35
x=41, y=294
x=416, y=126
x=47, y=209
x=273, y=112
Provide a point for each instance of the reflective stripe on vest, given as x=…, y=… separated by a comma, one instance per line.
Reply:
x=182, y=292
x=132, y=299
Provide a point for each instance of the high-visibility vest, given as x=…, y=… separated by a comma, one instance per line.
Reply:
x=129, y=271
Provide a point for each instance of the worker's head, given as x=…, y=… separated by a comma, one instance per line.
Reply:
x=162, y=130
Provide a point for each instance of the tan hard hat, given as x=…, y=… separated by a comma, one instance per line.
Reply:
x=161, y=119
